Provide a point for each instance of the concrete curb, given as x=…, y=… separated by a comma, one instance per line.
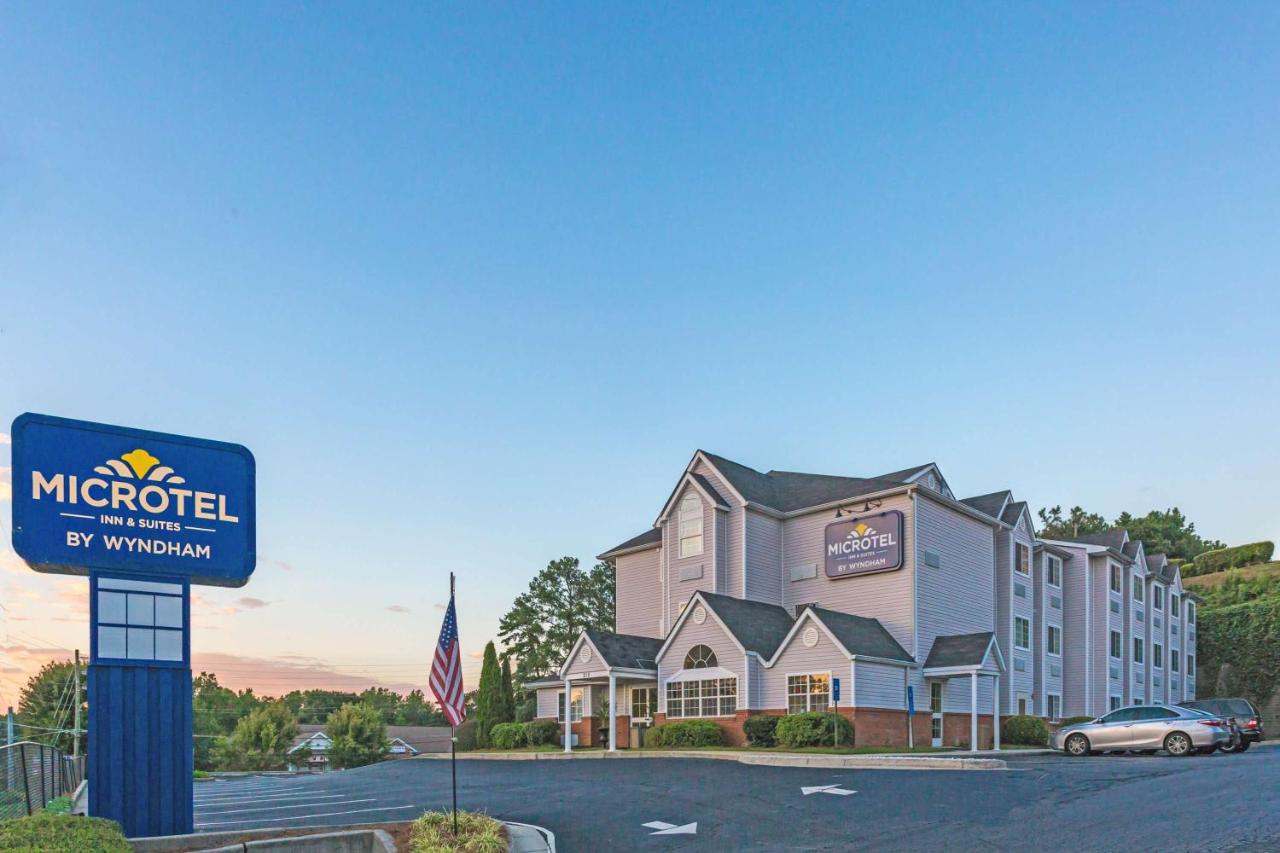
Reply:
x=784, y=759
x=527, y=838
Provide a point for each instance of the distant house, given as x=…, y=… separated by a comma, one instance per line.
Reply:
x=310, y=749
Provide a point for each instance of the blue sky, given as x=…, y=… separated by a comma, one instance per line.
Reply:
x=474, y=284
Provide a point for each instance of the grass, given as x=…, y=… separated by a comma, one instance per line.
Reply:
x=477, y=833
x=59, y=832
x=542, y=747
x=1216, y=579
x=59, y=805
x=819, y=750
x=201, y=774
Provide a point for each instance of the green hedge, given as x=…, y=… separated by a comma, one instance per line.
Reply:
x=60, y=832
x=466, y=735
x=685, y=733
x=1238, y=649
x=1024, y=730
x=1071, y=721
x=508, y=736
x=540, y=732
x=813, y=729
x=1229, y=558
x=761, y=729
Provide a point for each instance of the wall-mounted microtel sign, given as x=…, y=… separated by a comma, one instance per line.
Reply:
x=861, y=546
x=91, y=496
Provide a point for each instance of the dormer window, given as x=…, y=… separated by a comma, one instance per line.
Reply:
x=690, y=520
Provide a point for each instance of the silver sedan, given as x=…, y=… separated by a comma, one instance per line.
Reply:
x=1178, y=731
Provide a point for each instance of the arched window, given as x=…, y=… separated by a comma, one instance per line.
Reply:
x=700, y=657
x=690, y=526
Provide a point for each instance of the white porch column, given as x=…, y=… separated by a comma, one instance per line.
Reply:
x=613, y=712
x=973, y=711
x=568, y=717
x=995, y=712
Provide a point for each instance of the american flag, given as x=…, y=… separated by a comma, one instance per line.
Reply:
x=446, y=669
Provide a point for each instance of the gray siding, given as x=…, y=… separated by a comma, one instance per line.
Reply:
x=1017, y=683
x=638, y=585
x=1076, y=634
x=730, y=544
x=547, y=699
x=958, y=597
x=709, y=633
x=764, y=578
x=679, y=591
x=797, y=659
x=879, y=685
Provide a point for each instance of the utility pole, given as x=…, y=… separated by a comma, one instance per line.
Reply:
x=75, y=737
x=10, y=781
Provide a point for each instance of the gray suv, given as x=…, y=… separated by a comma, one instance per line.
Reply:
x=1146, y=728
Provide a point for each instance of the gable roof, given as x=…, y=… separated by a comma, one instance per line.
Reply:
x=991, y=504
x=1114, y=538
x=1013, y=511
x=787, y=491
x=625, y=650
x=862, y=635
x=959, y=650
x=758, y=627
x=651, y=538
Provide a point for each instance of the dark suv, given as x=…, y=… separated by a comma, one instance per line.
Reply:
x=1244, y=713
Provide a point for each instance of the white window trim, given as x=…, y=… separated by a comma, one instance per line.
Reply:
x=1047, y=711
x=787, y=676
x=1048, y=573
x=1017, y=562
x=1139, y=589
x=1027, y=621
x=582, y=705
x=737, y=696
x=1111, y=654
x=1048, y=647
x=681, y=520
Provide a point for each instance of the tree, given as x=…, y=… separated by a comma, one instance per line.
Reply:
x=508, y=714
x=215, y=712
x=544, y=622
x=261, y=740
x=1167, y=532
x=416, y=710
x=382, y=700
x=1053, y=525
x=314, y=706
x=489, y=696
x=46, y=706
x=358, y=735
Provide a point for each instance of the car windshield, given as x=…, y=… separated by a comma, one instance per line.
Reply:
x=1239, y=707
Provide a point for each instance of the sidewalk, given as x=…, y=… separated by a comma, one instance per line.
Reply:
x=872, y=761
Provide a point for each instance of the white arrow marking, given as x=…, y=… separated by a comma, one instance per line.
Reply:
x=657, y=824
x=687, y=829
x=827, y=789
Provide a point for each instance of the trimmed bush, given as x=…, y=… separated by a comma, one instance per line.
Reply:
x=539, y=732
x=477, y=833
x=759, y=729
x=1071, y=721
x=1024, y=730
x=684, y=734
x=813, y=729
x=508, y=736
x=59, y=832
x=1230, y=558
x=466, y=735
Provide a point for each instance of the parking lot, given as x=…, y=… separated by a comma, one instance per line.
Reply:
x=1219, y=802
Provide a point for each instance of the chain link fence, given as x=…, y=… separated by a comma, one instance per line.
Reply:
x=32, y=774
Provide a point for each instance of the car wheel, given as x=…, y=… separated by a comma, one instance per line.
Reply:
x=1177, y=744
x=1244, y=746
x=1077, y=745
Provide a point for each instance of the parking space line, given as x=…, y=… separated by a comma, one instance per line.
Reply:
x=281, y=799
x=292, y=806
x=307, y=816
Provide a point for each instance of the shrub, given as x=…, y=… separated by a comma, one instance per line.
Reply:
x=55, y=832
x=358, y=735
x=1071, y=721
x=477, y=833
x=813, y=729
x=539, y=732
x=1230, y=558
x=466, y=735
x=684, y=734
x=508, y=736
x=759, y=729
x=1025, y=730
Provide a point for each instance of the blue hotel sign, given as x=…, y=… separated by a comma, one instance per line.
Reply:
x=90, y=496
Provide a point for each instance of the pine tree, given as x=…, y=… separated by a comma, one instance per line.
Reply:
x=489, y=696
x=508, y=693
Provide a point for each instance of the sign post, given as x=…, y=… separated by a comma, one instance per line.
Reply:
x=835, y=703
x=911, y=713
x=145, y=515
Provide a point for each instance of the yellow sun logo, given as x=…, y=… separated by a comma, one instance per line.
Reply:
x=862, y=529
x=139, y=462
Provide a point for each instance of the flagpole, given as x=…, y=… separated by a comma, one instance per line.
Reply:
x=453, y=742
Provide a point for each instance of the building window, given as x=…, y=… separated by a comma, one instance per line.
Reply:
x=935, y=697
x=1137, y=650
x=700, y=657
x=1115, y=703
x=1139, y=590
x=714, y=697
x=1023, y=561
x=139, y=620
x=1191, y=666
x=1174, y=604
x=1157, y=655
x=690, y=526
x=1173, y=660
x=1191, y=613
x=1055, y=640
x=1117, y=650
x=1055, y=706
x=1055, y=573
x=1022, y=706
x=575, y=706
x=644, y=702
x=1157, y=597
x=1115, y=579
x=808, y=693
x=1021, y=633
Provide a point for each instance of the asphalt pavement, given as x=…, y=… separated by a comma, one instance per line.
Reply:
x=1049, y=802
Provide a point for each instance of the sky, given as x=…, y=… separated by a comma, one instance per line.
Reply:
x=473, y=283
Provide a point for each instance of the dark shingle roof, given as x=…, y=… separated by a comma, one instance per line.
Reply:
x=786, y=491
x=1113, y=538
x=862, y=635
x=959, y=650
x=988, y=504
x=650, y=538
x=1169, y=572
x=759, y=627
x=1012, y=511
x=711, y=490
x=1156, y=564
x=625, y=649
x=1130, y=549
